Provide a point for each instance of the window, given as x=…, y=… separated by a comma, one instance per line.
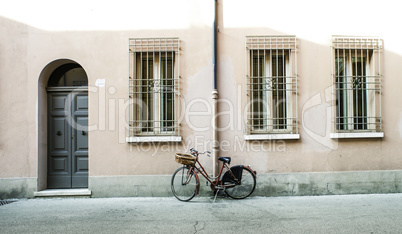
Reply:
x=357, y=84
x=271, y=85
x=154, y=87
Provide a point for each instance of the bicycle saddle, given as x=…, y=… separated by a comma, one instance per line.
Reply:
x=225, y=159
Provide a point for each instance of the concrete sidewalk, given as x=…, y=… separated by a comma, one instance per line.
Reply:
x=322, y=214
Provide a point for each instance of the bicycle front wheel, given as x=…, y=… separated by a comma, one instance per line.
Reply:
x=184, y=184
x=245, y=188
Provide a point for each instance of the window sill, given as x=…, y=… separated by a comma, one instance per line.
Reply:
x=347, y=135
x=272, y=137
x=142, y=139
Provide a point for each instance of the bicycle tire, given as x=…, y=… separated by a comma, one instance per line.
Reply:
x=246, y=186
x=184, y=184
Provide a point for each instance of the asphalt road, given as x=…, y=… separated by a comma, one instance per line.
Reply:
x=321, y=214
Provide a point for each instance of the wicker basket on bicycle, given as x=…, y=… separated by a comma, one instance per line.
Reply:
x=185, y=159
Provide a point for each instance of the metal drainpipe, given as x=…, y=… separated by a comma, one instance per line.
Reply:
x=215, y=140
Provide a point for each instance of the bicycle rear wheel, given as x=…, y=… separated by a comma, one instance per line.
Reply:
x=246, y=186
x=184, y=184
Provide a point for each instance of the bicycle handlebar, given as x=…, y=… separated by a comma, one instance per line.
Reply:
x=194, y=151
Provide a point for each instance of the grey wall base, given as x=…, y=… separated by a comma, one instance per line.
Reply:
x=292, y=184
x=289, y=184
x=17, y=187
x=331, y=183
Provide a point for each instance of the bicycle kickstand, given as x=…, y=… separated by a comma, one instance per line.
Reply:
x=216, y=194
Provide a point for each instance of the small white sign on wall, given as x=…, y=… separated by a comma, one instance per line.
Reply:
x=100, y=82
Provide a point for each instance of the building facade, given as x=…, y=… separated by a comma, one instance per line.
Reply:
x=100, y=97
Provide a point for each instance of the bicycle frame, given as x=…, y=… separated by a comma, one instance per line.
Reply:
x=216, y=183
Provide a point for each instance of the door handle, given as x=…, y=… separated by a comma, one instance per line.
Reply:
x=83, y=133
x=58, y=133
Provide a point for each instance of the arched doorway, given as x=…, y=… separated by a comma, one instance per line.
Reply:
x=67, y=126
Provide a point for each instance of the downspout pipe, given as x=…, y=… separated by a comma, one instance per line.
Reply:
x=215, y=138
x=214, y=39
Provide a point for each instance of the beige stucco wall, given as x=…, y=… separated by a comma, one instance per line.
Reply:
x=99, y=43
x=314, y=27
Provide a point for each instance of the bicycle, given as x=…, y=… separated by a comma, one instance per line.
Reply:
x=237, y=182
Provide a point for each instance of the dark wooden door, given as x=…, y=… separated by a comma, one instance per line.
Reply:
x=67, y=140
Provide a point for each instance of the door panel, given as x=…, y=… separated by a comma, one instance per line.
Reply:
x=80, y=141
x=59, y=164
x=81, y=164
x=82, y=103
x=58, y=103
x=68, y=140
x=60, y=134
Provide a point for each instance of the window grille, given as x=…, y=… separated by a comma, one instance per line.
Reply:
x=154, y=87
x=356, y=84
x=271, y=73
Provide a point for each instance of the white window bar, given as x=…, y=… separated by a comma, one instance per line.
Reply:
x=356, y=84
x=154, y=87
x=271, y=73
